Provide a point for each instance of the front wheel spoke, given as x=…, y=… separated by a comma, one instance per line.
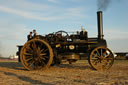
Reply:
x=95, y=56
x=108, y=64
x=105, y=53
x=99, y=62
x=101, y=52
x=99, y=66
x=108, y=54
x=104, y=61
x=95, y=61
x=98, y=52
x=108, y=59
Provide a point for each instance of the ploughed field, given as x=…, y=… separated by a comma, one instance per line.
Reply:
x=79, y=73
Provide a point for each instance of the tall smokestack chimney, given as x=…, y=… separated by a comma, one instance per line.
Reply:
x=100, y=25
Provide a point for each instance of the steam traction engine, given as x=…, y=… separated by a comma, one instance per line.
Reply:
x=44, y=51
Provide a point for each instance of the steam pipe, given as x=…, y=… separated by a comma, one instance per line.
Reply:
x=100, y=25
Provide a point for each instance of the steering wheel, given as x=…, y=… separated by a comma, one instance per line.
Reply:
x=63, y=33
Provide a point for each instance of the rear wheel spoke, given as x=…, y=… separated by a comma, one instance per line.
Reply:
x=43, y=54
x=43, y=50
x=42, y=58
x=28, y=59
x=30, y=64
x=27, y=54
x=34, y=45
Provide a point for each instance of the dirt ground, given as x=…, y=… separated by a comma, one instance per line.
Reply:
x=80, y=73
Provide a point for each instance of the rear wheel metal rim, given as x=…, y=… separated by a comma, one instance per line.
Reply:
x=36, y=56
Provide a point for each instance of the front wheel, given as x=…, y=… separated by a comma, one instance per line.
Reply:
x=101, y=58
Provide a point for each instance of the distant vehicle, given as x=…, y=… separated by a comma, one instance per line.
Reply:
x=115, y=55
x=126, y=56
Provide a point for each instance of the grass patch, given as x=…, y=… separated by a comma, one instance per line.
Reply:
x=121, y=61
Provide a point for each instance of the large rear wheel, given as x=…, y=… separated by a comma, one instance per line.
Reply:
x=101, y=58
x=36, y=54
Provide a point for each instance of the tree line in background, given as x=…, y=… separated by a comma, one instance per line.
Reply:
x=121, y=55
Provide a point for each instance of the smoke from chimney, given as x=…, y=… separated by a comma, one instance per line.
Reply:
x=103, y=4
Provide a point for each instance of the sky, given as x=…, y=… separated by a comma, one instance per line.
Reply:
x=19, y=17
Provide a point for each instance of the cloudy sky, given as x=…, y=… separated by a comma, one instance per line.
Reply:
x=19, y=17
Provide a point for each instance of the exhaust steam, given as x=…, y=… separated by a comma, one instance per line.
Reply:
x=103, y=4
